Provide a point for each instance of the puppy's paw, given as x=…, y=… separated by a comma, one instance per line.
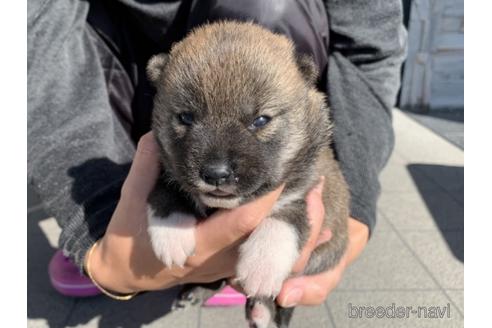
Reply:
x=259, y=311
x=172, y=237
x=267, y=257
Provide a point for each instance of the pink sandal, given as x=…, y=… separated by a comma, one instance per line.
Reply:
x=228, y=296
x=66, y=278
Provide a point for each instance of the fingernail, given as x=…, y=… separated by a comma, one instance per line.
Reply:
x=324, y=236
x=319, y=190
x=148, y=144
x=293, y=297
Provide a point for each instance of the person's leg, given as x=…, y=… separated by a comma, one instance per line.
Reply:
x=111, y=52
x=80, y=122
x=305, y=22
x=126, y=50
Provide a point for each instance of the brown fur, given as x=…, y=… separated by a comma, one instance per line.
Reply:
x=226, y=74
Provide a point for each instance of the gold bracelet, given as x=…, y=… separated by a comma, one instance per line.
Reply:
x=121, y=297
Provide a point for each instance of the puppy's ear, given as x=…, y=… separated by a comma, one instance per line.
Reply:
x=156, y=66
x=308, y=68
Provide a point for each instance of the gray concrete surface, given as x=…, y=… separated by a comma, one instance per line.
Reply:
x=414, y=258
x=449, y=124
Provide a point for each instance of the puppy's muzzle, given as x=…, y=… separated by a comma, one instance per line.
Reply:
x=217, y=174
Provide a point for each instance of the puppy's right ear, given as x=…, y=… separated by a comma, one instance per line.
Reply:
x=308, y=68
x=156, y=66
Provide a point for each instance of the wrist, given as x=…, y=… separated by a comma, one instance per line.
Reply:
x=105, y=272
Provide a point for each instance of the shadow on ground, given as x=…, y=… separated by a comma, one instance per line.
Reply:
x=45, y=304
x=450, y=223
x=452, y=115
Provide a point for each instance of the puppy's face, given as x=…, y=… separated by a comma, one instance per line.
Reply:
x=228, y=112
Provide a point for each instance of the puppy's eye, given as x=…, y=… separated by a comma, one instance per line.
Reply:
x=259, y=122
x=186, y=118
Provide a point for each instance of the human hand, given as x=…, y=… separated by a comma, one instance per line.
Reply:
x=123, y=260
x=314, y=289
x=316, y=214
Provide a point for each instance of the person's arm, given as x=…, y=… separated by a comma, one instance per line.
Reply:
x=367, y=48
x=79, y=156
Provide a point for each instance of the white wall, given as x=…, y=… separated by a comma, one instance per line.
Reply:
x=433, y=76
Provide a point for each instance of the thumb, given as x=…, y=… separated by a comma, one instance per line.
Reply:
x=144, y=170
x=313, y=289
x=226, y=227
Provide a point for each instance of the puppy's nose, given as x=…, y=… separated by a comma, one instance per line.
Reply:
x=216, y=174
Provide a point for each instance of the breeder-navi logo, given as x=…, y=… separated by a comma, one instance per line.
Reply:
x=398, y=312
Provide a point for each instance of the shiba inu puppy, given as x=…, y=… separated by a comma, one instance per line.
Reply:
x=237, y=114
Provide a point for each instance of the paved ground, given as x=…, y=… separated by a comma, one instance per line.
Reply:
x=414, y=259
x=449, y=124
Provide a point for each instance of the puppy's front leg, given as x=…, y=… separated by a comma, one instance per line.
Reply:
x=267, y=256
x=171, y=227
x=172, y=237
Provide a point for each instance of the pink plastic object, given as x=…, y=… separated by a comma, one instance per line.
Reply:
x=65, y=277
x=226, y=297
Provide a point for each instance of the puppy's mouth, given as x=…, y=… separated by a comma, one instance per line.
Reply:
x=220, y=194
x=220, y=199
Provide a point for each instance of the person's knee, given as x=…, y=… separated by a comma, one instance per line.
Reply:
x=267, y=13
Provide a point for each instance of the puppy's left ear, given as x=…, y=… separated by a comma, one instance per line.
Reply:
x=156, y=67
x=308, y=68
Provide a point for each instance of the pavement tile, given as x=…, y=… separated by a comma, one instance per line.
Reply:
x=441, y=254
x=146, y=310
x=339, y=302
x=402, y=176
x=311, y=316
x=45, y=228
x=304, y=316
x=94, y=322
x=217, y=317
x=414, y=211
x=457, y=296
x=39, y=252
x=448, y=124
x=37, y=323
x=45, y=307
x=421, y=145
x=448, y=177
x=385, y=264
x=51, y=230
x=381, y=222
x=431, y=153
x=396, y=177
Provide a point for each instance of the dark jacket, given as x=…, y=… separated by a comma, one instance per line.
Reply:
x=88, y=102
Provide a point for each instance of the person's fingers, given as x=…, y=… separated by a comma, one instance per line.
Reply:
x=144, y=170
x=226, y=227
x=310, y=290
x=316, y=214
x=324, y=236
x=314, y=201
